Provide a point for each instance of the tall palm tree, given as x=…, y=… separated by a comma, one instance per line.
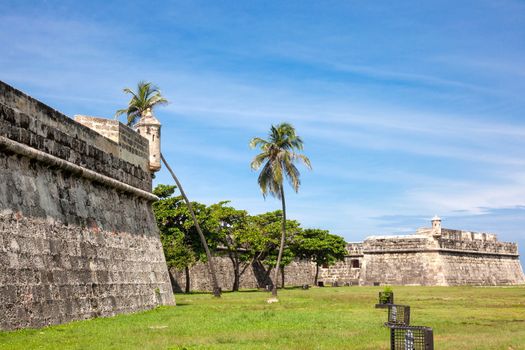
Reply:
x=146, y=97
x=279, y=155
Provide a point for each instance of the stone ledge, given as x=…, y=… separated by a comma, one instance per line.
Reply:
x=437, y=250
x=43, y=157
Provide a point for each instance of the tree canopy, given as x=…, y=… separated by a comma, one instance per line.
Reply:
x=247, y=240
x=320, y=246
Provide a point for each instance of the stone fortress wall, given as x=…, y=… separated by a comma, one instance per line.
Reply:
x=78, y=238
x=297, y=273
x=431, y=257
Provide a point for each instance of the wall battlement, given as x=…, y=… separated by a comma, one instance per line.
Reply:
x=78, y=238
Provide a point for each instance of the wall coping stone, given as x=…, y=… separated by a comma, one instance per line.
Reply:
x=447, y=250
x=46, y=158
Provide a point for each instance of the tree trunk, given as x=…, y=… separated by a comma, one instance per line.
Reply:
x=282, y=277
x=316, y=274
x=236, y=280
x=267, y=278
x=211, y=267
x=281, y=247
x=187, y=288
x=236, y=272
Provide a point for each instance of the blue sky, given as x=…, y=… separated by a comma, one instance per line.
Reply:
x=407, y=109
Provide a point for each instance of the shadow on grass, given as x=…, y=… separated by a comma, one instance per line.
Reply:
x=251, y=290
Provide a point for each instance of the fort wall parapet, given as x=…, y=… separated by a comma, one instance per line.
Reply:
x=466, y=241
x=408, y=243
x=354, y=248
x=40, y=127
x=479, y=246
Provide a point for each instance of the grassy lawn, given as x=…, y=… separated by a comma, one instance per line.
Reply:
x=319, y=318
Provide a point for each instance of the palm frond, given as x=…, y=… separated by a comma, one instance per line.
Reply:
x=120, y=112
x=258, y=160
x=278, y=156
x=145, y=97
x=304, y=159
x=256, y=141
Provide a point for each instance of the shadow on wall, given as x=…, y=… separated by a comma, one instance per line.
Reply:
x=175, y=284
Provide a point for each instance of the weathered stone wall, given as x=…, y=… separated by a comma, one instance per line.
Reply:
x=343, y=272
x=347, y=271
x=297, y=273
x=77, y=234
x=133, y=148
x=479, y=245
x=403, y=268
x=473, y=269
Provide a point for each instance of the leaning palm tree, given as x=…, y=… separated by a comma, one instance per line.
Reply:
x=211, y=267
x=145, y=98
x=278, y=155
x=142, y=101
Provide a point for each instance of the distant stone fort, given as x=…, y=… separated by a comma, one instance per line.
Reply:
x=78, y=238
x=432, y=256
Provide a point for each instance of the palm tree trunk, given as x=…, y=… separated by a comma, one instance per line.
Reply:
x=211, y=267
x=281, y=247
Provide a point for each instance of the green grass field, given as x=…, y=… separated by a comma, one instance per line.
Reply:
x=319, y=318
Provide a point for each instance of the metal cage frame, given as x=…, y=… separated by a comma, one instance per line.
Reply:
x=390, y=300
x=411, y=338
x=398, y=315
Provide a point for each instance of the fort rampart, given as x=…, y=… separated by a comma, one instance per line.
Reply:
x=77, y=234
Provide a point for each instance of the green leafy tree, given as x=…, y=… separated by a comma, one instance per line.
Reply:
x=269, y=228
x=179, y=254
x=236, y=236
x=278, y=154
x=321, y=247
x=145, y=98
x=179, y=236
